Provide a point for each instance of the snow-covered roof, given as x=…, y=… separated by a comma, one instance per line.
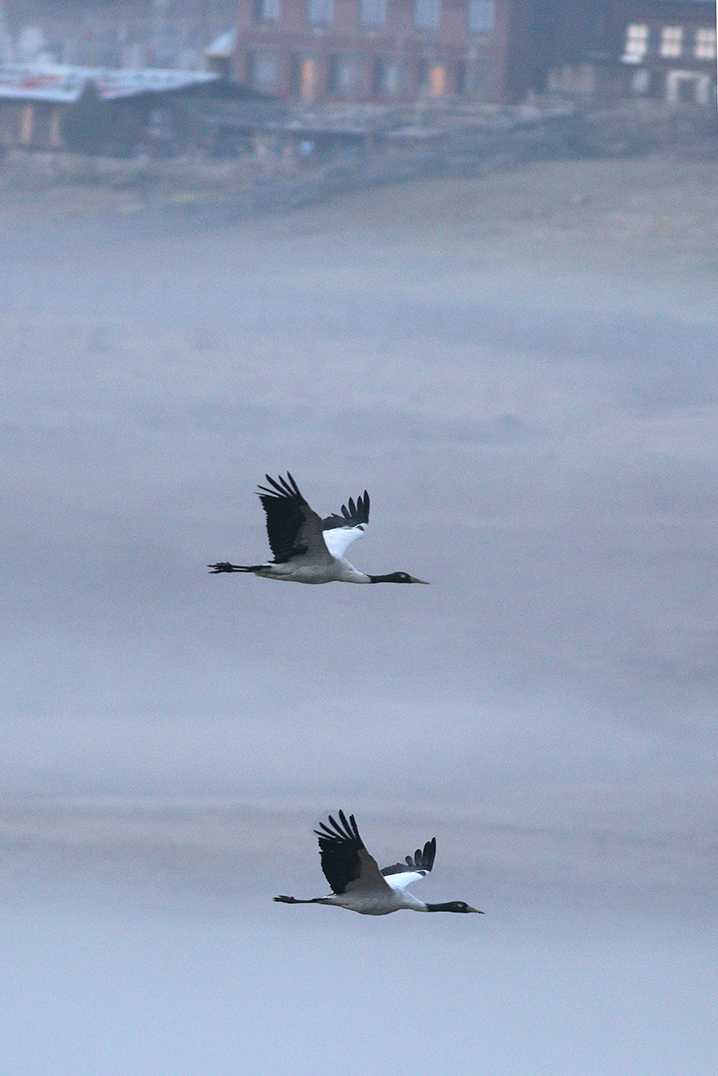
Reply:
x=223, y=46
x=65, y=84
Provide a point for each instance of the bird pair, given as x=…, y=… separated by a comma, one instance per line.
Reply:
x=309, y=549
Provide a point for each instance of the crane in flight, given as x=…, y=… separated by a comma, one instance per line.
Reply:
x=307, y=548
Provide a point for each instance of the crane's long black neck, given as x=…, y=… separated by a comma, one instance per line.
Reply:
x=392, y=577
x=450, y=906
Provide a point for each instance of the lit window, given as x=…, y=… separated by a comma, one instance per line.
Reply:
x=373, y=12
x=671, y=40
x=320, y=12
x=432, y=78
x=481, y=16
x=427, y=14
x=266, y=10
x=705, y=44
x=636, y=42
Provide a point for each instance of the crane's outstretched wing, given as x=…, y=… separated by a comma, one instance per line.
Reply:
x=413, y=869
x=293, y=528
x=346, y=863
x=340, y=530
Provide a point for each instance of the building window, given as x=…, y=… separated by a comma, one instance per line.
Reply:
x=266, y=10
x=55, y=131
x=705, y=44
x=10, y=123
x=320, y=12
x=671, y=41
x=427, y=14
x=373, y=12
x=26, y=122
x=387, y=77
x=304, y=73
x=42, y=125
x=345, y=76
x=641, y=81
x=263, y=70
x=481, y=16
x=636, y=42
x=432, y=78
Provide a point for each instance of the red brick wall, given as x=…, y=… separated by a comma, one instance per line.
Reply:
x=482, y=60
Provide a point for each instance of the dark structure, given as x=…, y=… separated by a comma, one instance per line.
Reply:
x=385, y=51
x=108, y=111
x=666, y=48
x=661, y=49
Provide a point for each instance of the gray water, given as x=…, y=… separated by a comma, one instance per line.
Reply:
x=537, y=433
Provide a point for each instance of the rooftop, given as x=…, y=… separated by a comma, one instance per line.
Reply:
x=65, y=84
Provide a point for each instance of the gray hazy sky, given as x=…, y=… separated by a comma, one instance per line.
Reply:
x=539, y=441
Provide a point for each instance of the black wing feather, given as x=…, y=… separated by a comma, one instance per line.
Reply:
x=339, y=848
x=286, y=511
x=350, y=516
x=423, y=860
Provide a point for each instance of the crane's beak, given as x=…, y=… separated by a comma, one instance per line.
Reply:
x=424, y=582
x=477, y=910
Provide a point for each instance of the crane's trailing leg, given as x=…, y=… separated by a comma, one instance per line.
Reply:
x=225, y=566
x=293, y=900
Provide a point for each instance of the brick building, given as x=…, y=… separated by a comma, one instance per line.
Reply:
x=384, y=51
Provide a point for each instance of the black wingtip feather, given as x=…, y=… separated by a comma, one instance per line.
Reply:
x=339, y=848
x=335, y=826
x=343, y=830
x=281, y=487
x=350, y=514
x=423, y=859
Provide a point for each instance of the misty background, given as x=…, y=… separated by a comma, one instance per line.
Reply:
x=525, y=382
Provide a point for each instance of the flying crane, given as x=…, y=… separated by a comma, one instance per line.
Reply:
x=356, y=881
x=307, y=548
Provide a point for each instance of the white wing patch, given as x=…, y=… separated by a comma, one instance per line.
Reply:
x=338, y=539
x=406, y=878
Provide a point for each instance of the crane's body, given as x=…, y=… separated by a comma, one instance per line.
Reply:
x=372, y=904
x=338, y=571
x=307, y=548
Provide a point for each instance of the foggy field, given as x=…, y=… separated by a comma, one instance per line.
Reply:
x=522, y=371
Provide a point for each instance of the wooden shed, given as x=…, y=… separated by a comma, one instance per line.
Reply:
x=113, y=111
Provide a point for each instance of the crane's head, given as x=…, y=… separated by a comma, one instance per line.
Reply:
x=397, y=577
x=453, y=906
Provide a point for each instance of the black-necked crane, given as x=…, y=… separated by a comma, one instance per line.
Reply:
x=307, y=548
x=356, y=881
